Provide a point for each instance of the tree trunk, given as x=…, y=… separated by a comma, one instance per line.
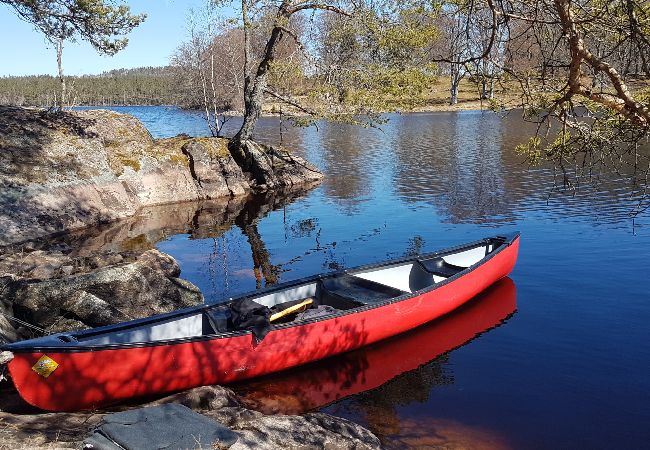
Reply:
x=487, y=88
x=254, y=87
x=254, y=97
x=455, y=81
x=453, y=91
x=59, y=61
x=216, y=121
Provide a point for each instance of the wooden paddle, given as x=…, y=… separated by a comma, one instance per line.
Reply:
x=292, y=309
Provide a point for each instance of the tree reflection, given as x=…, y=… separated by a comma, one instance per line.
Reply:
x=262, y=266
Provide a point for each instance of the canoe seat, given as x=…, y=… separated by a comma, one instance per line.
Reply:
x=440, y=267
x=217, y=320
x=356, y=289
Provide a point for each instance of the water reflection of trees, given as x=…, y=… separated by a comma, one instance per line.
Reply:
x=247, y=221
x=380, y=406
x=344, y=158
x=465, y=165
x=206, y=220
x=455, y=163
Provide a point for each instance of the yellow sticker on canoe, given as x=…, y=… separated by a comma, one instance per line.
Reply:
x=45, y=366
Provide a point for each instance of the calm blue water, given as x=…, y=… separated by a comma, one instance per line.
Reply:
x=569, y=369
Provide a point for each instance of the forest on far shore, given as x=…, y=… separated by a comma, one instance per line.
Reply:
x=155, y=86
x=141, y=86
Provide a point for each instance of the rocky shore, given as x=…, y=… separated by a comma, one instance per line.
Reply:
x=112, y=273
x=68, y=170
x=21, y=427
x=62, y=173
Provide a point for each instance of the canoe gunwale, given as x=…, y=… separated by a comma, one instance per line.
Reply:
x=74, y=347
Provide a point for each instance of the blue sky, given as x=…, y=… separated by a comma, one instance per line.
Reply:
x=24, y=51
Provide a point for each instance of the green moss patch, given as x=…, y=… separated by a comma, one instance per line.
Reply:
x=218, y=148
x=170, y=149
x=129, y=162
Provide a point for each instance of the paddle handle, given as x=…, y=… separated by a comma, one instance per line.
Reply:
x=291, y=309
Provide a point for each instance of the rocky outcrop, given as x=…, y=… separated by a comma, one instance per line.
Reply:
x=109, y=294
x=254, y=429
x=214, y=170
x=260, y=431
x=68, y=274
x=68, y=170
x=272, y=167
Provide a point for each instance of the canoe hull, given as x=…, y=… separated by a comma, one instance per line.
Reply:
x=92, y=379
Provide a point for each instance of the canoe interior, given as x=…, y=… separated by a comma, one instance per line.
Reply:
x=338, y=292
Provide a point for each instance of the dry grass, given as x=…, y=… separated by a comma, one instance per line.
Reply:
x=437, y=99
x=507, y=95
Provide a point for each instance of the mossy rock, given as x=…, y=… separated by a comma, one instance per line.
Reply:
x=129, y=162
x=170, y=149
x=214, y=147
x=218, y=148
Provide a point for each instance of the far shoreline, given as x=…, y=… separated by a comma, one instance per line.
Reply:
x=472, y=105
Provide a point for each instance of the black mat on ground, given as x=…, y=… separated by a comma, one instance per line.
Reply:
x=169, y=426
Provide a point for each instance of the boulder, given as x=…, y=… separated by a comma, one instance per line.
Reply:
x=162, y=262
x=203, y=398
x=213, y=168
x=303, y=432
x=107, y=295
x=92, y=309
x=7, y=331
x=43, y=265
x=60, y=325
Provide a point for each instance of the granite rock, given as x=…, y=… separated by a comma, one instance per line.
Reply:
x=104, y=296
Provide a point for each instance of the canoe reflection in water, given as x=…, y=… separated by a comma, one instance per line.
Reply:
x=330, y=380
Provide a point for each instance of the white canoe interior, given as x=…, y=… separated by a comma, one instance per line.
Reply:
x=412, y=277
x=341, y=292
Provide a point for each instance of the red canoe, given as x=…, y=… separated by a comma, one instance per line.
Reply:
x=318, y=384
x=205, y=345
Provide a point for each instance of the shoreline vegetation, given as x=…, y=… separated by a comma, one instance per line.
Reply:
x=155, y=87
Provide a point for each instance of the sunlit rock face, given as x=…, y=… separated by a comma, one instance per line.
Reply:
x=68, y=170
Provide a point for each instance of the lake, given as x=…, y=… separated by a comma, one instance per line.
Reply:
x=556, y=356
